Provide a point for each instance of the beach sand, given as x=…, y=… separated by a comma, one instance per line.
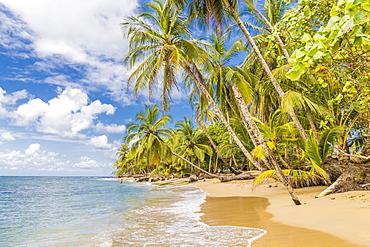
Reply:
x=335, y=220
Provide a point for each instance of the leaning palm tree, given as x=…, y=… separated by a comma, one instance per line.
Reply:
x=237, y=81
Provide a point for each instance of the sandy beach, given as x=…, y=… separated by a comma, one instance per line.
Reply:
x=335, y=220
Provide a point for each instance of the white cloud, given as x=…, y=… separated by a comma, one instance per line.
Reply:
x=33, y=156
x=29, y=112
x=100, y=142
x=87, y=162
x=110, y=128
x=65, y=115
x=7, y=136
x=9, y=100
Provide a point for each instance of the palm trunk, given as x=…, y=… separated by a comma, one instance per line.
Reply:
x=258, y=136
x=221, y=116
x=271, y=28
x=313, y=127
x=216, y=148
x=251, y=135
x=265, y=67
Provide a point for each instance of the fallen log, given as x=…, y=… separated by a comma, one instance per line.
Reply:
x=243, y=176
x=354, y=177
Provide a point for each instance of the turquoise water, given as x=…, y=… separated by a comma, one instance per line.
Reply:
x=80, y=211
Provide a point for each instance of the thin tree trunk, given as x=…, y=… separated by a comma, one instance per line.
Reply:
x=222, y=117
x=209, y=164
x=283, y=161
x=195, y=166
x=251, y=135
x=257, y=134
x=216, y=165
x=271, y=28
x=265, y=67
x=313, y=127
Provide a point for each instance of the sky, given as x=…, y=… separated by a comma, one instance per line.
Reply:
x=64, y=107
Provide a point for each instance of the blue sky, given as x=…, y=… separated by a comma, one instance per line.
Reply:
x=63, y=100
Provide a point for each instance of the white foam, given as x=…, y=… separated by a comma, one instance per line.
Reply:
x=173, y=219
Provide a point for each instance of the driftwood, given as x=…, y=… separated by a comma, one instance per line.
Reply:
x=346, y=175
x=193, y=178
x=142, y=179
x=243, y=176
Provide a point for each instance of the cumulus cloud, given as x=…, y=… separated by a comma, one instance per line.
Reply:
x=7, y=136
x=65, y=115
x=100, y=142
x=33, y=156
x=87, y=163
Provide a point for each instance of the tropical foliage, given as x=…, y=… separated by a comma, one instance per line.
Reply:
x=280, y=88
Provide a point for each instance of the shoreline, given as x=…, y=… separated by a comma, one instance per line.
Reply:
x=338, y=219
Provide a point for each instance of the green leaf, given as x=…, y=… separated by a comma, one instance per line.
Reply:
x=312, y=150
x=318, y=55
x=333, y=20
x=319, y=37
x=296, y=72
x=360, y=17
x=258, y=152
x=347, y=86
x=306, y=37
x=334, y=11
x=340, y=2
x=329, y=136
x=346, y=27
x=366, y=6
x=298, y=54
x=339, y=97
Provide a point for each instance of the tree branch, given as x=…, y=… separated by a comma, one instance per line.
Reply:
x=351, y=155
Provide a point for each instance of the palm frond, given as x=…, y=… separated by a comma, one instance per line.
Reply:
x=298, y=100
x=328, y=137
x=298, y=178
x=312, y=151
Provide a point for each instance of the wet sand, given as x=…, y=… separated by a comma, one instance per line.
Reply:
x=340, y=220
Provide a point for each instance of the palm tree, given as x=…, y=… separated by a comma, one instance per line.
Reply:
x=147, y=135
x=125, y=163
x=189, y=142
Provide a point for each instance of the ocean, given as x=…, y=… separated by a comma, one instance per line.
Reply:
x=90, y=211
